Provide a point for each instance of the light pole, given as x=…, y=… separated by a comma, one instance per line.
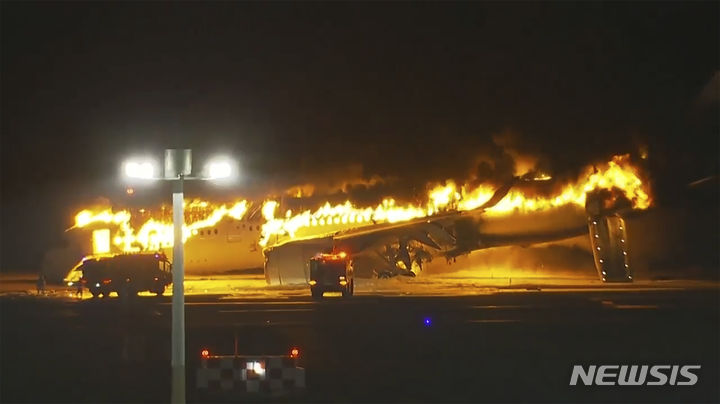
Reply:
x=178, y=167
x=177, y=362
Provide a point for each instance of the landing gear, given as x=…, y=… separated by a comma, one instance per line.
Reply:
x=383, y=274
x=127, y=292
x=159, y=289
x=349, y=289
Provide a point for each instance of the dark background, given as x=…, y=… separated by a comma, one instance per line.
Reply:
x=414, y=92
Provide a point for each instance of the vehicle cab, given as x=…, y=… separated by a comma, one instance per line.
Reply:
x=331, y=273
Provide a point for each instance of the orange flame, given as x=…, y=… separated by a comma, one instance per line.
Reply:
x=618, y=173
x=154, y=233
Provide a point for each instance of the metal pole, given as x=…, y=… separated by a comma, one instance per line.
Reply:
x=178, y=298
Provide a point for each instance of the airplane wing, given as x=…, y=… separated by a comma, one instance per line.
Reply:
x=433, y=231
x=394, y=242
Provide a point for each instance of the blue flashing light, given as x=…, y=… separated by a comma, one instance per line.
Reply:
x=427, y=321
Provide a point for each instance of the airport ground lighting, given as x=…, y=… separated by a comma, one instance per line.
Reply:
x=178, y=169
x=139, y=169
x=219, y=169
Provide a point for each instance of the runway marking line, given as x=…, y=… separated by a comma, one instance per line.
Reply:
x=510, y=306
x=256, y=302
x=261, y=310
x=636, y=306
x=493, y=321
x=271, y=324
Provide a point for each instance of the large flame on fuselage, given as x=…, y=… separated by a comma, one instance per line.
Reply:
x=618, y=174
x=157, y=232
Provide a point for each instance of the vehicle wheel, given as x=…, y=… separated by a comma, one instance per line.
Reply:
x=127, y=292
x=347, y=292
x=317, y=294
x=95, y=293
x=160, y=292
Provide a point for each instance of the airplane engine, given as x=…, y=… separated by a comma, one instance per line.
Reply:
x=288, y=264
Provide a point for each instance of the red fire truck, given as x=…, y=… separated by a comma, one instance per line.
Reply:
x=331, y=273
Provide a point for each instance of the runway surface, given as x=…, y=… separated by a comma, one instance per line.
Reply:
x=484, y=343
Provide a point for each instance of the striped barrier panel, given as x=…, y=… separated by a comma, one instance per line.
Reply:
x=274, y=375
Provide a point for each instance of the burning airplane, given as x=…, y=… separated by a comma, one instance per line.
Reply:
x=390, y=238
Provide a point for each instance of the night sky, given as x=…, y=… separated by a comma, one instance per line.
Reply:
x=299, y=91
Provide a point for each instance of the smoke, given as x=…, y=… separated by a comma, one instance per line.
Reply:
x=506, y=155
x=337, y=180
x=710, y=93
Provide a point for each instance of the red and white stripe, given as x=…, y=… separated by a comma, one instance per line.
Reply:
x=250, y=374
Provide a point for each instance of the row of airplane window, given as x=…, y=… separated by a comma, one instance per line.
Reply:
x=209, y=232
